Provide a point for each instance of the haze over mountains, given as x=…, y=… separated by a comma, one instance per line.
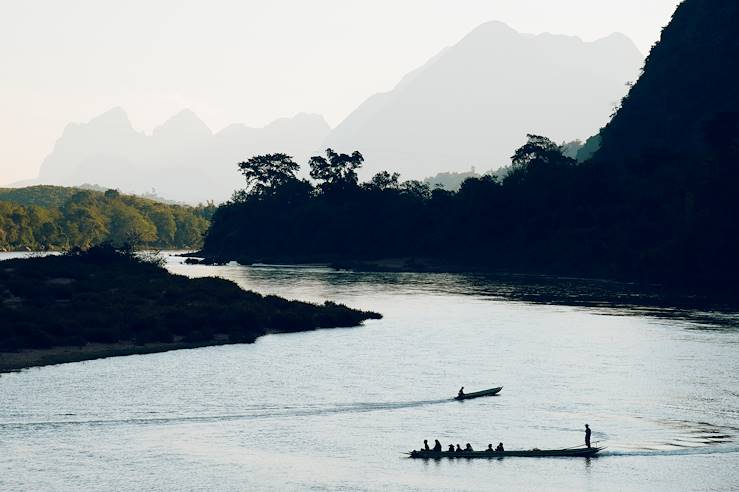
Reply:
x=181, y=160
x=474, y=103
x=470, y=105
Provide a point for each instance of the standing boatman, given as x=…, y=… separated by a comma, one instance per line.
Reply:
x=587, y=435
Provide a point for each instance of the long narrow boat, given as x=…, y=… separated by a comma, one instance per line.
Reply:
x=478, y=394
x=529, y=453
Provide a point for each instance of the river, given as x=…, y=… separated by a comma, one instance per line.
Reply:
x=335, y=409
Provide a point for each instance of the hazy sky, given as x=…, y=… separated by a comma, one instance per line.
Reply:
x=244, y=61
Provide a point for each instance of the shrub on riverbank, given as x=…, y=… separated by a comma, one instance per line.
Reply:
x=107, y=295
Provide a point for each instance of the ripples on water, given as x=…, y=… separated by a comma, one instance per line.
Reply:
x=334, y=409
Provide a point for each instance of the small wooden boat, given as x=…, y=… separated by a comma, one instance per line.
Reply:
x=582, y=452
x=478, y=394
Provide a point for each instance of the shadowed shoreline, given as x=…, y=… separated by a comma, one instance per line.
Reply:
x=24, y=359
x=105, y=302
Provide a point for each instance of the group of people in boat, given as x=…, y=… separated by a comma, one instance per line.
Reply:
x=468, y=448
x=458, y=449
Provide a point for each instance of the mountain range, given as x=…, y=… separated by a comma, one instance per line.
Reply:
x=181, y=160
x=470, y=105
x=474, y=103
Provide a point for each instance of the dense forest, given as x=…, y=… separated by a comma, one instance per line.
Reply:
x=55, y=217
x=55, y=301
x=657, y=202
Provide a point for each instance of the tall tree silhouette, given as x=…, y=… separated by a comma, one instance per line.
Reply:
x=266, y=173
x=335, y=171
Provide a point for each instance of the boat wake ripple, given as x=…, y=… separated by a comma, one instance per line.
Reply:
x=685, y=438
x=265, y=412
x=673, y=452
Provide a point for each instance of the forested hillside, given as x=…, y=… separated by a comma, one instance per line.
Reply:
x=54, y=217
x=41, y=195
x=689, y=80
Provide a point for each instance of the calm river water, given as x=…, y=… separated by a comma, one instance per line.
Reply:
x=334, y=409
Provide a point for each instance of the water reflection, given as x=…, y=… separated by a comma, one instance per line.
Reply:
x=602, y=296
x=335, y=409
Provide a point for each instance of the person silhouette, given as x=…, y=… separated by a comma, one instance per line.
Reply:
x=426, y=445
x=437, y=446
x=460, y=394
x=587, y=435
x=451, y=448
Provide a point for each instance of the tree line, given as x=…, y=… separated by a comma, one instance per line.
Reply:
x=652, y=197
x=660, y=217
x=55, y=218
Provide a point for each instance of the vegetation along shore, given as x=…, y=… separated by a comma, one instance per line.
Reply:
x=43, y=218
x=104, y=301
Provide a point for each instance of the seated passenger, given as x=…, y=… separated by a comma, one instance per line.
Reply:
x=458, y=450
x=500, y=449
x=461, y=392
x=426, y=445
x=489, y=449
x=468, y=448
x=451, y=448
x=437, y=446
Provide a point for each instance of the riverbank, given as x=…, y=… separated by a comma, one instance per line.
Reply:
x=23, y=359
x=104, y=302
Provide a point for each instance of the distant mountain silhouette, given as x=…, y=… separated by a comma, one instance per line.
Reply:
x=474, y=103
x=182, y=159
x=690, y=78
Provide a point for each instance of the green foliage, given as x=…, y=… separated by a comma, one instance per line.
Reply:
x=42, y=195
x=107, y=295
x=53, y=217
